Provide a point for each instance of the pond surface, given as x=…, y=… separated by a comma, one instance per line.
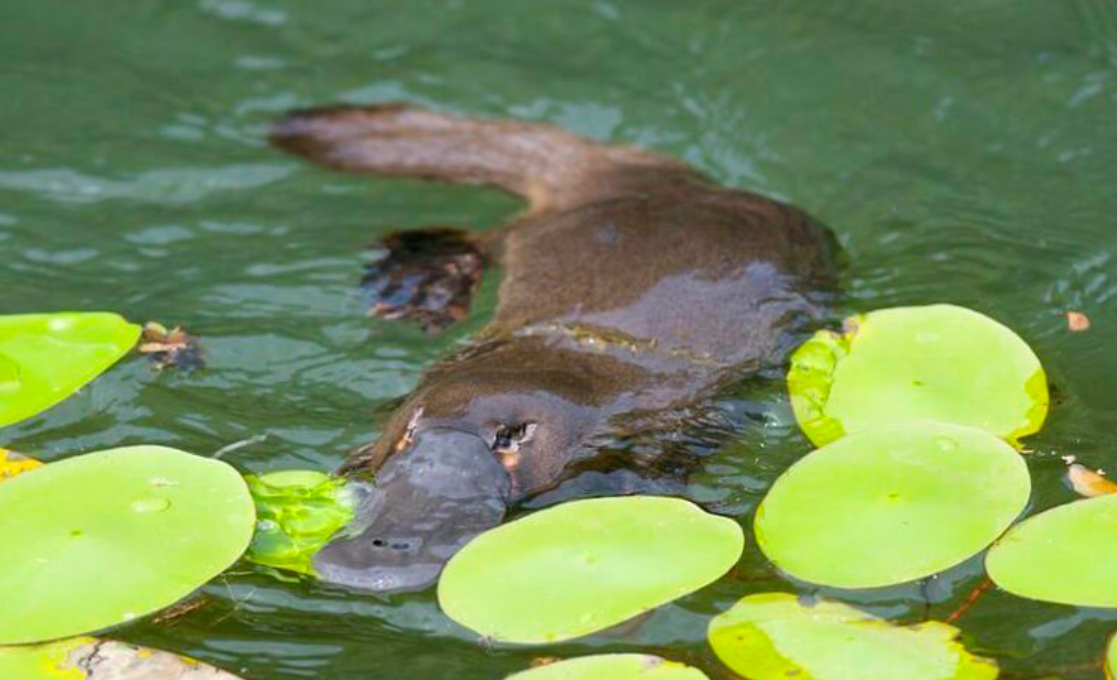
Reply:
x=961, y=153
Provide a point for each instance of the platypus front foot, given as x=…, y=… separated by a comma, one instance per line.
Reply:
x=428, y=276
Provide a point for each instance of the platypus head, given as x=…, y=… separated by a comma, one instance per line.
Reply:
x=475, y=437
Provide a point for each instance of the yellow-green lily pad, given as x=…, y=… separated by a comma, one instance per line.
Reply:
x=612, y=667
x=937, y=362
x=45, y=358
x=107, y=537
x=1067, y=554
x=87, y=658
x=581, y=567
x=776, y=636
x=891, y=505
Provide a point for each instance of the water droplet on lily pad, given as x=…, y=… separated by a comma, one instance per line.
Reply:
x=891, y=505
x=125, y=560
x=71, y=659
x=529, y=582
x=45, y=358
x=937, y=362
x=1067, y=554
x=776, y=636
x=612, y=667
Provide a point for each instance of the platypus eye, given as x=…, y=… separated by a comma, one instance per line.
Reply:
x=509, y=437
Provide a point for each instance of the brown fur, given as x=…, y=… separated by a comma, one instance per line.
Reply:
x=632, y=284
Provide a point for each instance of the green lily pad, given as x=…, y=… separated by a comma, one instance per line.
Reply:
x=69, y=660
x=298, y=512
x=891, y=505
x=775, y=636
x=612, y=667
x=1067, y=554
x=581, y=567
x=45, y=358
x=100, y=539
x=938, y=362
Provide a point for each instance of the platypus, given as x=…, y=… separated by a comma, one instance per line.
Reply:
x=633, y=288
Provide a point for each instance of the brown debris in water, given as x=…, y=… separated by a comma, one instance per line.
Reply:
x=170, y=348
x=1088, y=483
x=1077, y=322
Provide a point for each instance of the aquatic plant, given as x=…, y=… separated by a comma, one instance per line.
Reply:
x=891, y=504
x=298, y=512
x=1067, y=554
x=935, y=362
x=45, y=358
x=581, y=567
x=776, y=636
x=612, y=667
x=103, y=538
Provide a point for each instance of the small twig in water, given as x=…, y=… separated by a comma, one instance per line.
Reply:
x=255, y=439
x=971, y=599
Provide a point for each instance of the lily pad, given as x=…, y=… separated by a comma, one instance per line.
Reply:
x=581, y=567
x=107, y=537
x=45, y=358
x=298, y=512
x=937, y=362
x=612, y=667
x=1067, y=554
x=776, y=636
x=891, y=505
x=87, y=658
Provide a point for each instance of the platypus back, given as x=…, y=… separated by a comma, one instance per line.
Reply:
x=633, y=288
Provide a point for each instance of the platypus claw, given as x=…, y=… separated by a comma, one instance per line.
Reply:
x=428, y=276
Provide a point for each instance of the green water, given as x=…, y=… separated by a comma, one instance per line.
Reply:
x=962, y=152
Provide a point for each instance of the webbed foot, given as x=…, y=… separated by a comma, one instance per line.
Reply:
x=428, y=276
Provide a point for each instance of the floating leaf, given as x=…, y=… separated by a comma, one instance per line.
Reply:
x=100, y=539
x=938, y=362
x=1067, y=554
x=775, y=636
x=893, y=504
x=12, y=464
x=86, y=658
x=612, y=667
x=298, y=512
x=581, y=567
x=45, y=358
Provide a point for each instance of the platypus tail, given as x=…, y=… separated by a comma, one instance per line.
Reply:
x=545, y=165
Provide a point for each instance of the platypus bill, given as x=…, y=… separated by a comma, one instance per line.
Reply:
x=633, y=287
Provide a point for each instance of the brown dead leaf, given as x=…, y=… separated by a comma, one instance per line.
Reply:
x=1089, y=483
x=1077, y=322
x=168, y=348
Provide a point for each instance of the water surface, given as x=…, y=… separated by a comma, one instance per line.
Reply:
x=962, y=153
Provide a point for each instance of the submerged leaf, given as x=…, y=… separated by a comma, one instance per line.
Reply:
x=612, y=667
x=298, y=512
x=891, y=505
x=776, y=636
x=45, y=358
x=86, y=658
x=937, y=362
x=104, y=538
x=581, y=567
x=1067, y=554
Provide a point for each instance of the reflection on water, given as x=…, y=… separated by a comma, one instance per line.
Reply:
x=962, y=153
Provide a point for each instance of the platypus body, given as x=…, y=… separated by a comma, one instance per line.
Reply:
x=634, y=288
